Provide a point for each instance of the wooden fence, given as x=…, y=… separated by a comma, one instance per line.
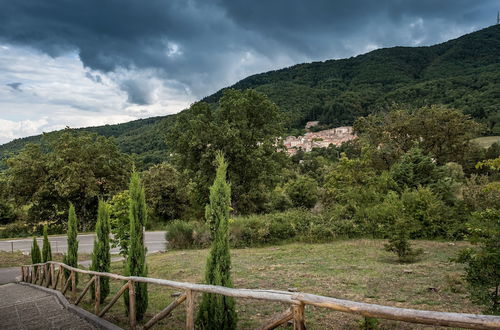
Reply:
x=45, y=274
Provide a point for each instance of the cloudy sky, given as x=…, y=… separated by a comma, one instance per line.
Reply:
x=90, y=62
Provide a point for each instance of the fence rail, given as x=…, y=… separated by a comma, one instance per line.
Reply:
x=45, y=274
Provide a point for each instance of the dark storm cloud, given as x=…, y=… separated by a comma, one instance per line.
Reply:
x=201, y=44
x=15, y=86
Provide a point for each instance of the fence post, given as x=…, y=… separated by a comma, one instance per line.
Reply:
x=48, y=277
x=189, y=310
x=298, y=317
x=97, y=294
x=131, y=305
x=73, y=285
x=61, y=277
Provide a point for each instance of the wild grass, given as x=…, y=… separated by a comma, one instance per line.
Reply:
x=358, y=270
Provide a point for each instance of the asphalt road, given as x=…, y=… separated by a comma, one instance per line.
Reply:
x=155, y=241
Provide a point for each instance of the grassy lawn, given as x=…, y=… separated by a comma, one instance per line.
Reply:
x=354, y=269
x=9, y=259
x=486, y=141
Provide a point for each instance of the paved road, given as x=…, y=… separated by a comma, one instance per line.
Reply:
x=155, y=241
x=23, y=307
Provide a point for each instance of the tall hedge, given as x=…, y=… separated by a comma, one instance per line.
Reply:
x=71, y=257
x=218, y=311
x=101, y=255
x=46, y=249
x=136, y=258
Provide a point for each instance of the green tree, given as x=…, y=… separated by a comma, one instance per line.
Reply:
x=482, y=270
x=101, y=256
x=218, y=311
x=439, y=131
x=136, y=258
x=414, y=169
x=166, y=192
x=36, y=256
x=244, y=126
x=303, y=191
x=46, y=250
x=71, y=257
x=399, y=239
x=67, y=166
x=120, y=223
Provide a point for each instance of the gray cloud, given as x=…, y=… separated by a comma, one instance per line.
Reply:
x=206, y=45
x=15, y=86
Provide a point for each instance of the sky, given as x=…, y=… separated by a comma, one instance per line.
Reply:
x=84, y=63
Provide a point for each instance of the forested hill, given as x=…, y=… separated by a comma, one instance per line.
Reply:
x=143, y=137
x=463, y=73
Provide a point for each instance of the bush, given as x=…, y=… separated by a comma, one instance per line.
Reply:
x=16, y=229
x=482, y=263
x=187, y=235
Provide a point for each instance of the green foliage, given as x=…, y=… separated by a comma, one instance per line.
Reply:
x=166, y=192
x=480, y=194
x=244, y=126
x=101, y=256
x=482, y=270
x=46, y=249
x=438, y=131
x=184, y=235
x=303, y=191
x=263, y=229
x=119, y=219
x=399, y=236
x=36, y=256
x=414, y=169
x=218, y=311
x=71, y=257
x=368, y=323
x=136, y=253
x=67, y=167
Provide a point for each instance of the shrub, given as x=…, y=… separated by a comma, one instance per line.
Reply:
x=303, y=191
x=187, y=235
x=399, y=240
x=482, y=270
x=36, y=256
x=16, y=229
x=46, y=249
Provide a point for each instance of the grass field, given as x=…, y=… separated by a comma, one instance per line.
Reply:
x=487, y=141
x=354, y=269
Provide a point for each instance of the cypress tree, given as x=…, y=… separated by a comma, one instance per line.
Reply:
x=218, y=311
x=71, y=257
x=46, y=249
x=35, y=252
x=136, y=258
x=101, y=255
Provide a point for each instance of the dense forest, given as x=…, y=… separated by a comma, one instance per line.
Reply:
x=463, y=74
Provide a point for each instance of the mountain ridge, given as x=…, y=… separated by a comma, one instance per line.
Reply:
x=463, y=73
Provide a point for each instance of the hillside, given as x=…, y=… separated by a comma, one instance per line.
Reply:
x=143, y=137
x=463, y=73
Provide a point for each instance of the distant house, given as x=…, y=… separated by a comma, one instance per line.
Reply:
x=319, y=139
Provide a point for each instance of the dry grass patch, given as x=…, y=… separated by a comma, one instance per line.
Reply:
x=353, y=269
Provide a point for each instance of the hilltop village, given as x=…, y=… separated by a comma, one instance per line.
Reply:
x=319, y=139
